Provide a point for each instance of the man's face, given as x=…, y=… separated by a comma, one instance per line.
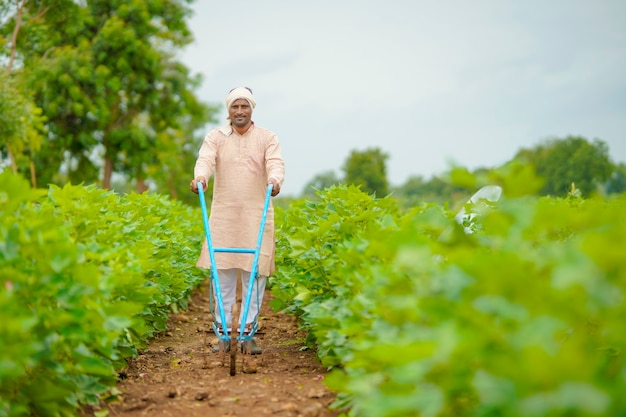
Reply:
x=240, y=112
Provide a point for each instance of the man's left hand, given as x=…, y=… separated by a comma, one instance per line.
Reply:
x=275, y=188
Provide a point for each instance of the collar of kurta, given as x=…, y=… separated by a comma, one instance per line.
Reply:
x=228, y=129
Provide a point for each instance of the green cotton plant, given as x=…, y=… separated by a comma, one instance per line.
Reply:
x=522, y=319
x=337, y=321
x=57, y=354
x=324, y=266
x=113, y=241
x=87, y=277
x=171, y=221
x=131, y=238
x=324, y=272
x=308, y=234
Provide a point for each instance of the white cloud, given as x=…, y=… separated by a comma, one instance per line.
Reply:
x=425, y=81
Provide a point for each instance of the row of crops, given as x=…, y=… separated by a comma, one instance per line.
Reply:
x=86, y=278
x=523, y=317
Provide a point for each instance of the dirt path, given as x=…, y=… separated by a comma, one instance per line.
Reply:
x=179, y=375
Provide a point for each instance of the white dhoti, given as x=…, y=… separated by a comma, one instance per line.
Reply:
x=228, y=286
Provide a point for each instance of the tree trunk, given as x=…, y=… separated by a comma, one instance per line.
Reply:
x=16, y=30
x=33, y=175
x=172, y=188
x=141, y=186
x=9, y=67
x=108, y=171
x=12, y=158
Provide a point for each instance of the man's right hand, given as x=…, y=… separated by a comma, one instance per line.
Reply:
x=194, y=184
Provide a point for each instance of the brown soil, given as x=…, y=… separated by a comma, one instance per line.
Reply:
x=179, y=375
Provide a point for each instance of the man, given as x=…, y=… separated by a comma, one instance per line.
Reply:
x=244, y=158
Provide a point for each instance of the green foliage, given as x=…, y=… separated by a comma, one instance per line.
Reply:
x=368, y=169
x=617, y=183
x=548, y=169
x=310, y=233
x=570, y=160
x=86, y=277
x=416, y=191
x=516, y=178
x=21, y=125
x=320, y=182
x=110, y=88
x=521, y=318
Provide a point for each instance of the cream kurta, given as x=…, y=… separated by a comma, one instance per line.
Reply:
x=242, y=166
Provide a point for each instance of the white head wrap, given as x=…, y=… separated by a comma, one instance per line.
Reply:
x=240, y=92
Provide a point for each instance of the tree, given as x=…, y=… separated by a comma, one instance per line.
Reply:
x=17, y=18
x=21, y=125
x=416, y=191
x=562, y=162
x=617, y=183
x=368, y=169
x=319, y=182
x=21, y=120
x=115, y=98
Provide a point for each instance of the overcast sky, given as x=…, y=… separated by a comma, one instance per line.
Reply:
x=428, y=82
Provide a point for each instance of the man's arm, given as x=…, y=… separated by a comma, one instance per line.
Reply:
x=275, y=165
x=205, y=163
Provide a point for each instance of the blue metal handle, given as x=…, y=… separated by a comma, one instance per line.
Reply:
x=214, y=277
x=253, y=273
